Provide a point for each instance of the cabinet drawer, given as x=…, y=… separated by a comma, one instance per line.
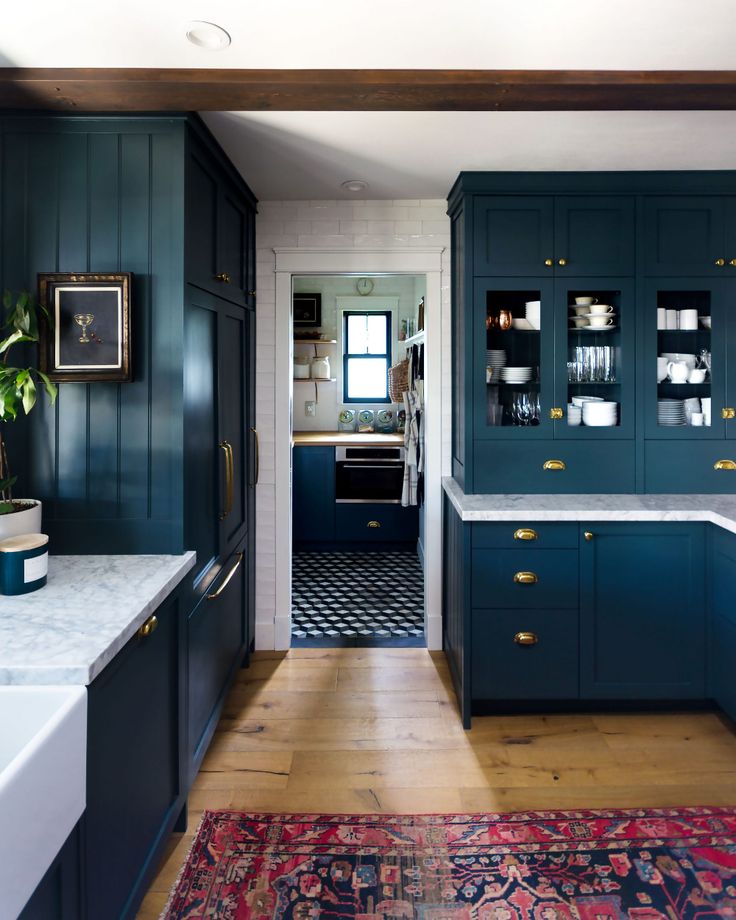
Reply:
x=498, y=578
x=678, y=466
x=513, y=466
x=357, y=523
x=504, y=669
x=525, y=535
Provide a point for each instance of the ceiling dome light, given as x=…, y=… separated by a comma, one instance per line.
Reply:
x=207, y=35
x=354, y=185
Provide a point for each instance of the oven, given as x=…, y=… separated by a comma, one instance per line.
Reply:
x=369, y=474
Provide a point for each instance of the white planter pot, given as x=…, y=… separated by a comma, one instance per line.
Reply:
x=19, y=522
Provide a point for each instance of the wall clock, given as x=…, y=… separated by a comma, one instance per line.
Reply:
x=364, y=286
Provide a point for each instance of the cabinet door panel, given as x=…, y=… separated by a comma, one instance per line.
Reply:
x=595, y=235
x=313, y=494
x=233, y=357
x=510, y=535
x=685, y=467
x=513, y=235
x=683, y=235
x=356, y=523
x=231, y=249
x=503, y=669
x=643, y=612
x=201, y=235
x=496, y=578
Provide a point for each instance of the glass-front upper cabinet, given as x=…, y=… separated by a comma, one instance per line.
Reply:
x=595, y=326
x=684, y=366
x=514, y=358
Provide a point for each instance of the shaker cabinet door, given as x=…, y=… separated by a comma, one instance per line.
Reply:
x=595, y=235
x=513, y=235
x=642, y=612
x=684, y=235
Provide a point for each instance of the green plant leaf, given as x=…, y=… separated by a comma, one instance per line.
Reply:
x=7, y=483
x=51, y=389
x=29, y=394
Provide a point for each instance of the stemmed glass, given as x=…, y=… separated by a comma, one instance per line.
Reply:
x=84, y=320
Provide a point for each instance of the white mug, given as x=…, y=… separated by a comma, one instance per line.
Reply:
x=661, y=369
x=672, y=319
x=688, y=319
x=601, y=321
x=678, y=371
x=601, y=309
x=696, y=419
x=696, y=375
x=586, y=301
x=661, y=318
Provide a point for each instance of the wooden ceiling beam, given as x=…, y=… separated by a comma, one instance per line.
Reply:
x=138, y=90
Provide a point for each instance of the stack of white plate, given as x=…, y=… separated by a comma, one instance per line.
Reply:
x=601, y=414
x=574, y=414
x=495, y=357
x=671, y=412
x=516, y=374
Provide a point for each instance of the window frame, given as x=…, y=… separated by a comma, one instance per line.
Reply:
x=346, y=355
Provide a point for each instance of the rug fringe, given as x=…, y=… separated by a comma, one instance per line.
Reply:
x=185, y=863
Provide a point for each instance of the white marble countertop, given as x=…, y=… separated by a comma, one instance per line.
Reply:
x=713, y=509
x=66, y=632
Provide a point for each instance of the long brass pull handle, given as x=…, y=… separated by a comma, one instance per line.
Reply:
x=373, y=524
x=554, y=465
x=228, y=578
x=148, y=627
x=223, y=277
x=724, y=465
x=526, y=638
x=525, y=533
x=227, y=449
x=257, y=458
x=525, y=578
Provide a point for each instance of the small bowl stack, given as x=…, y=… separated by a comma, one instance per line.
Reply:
x=516, y=374
x=574, y=415
x=601, y=414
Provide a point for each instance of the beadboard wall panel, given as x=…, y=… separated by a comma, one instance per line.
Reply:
x=103, y=196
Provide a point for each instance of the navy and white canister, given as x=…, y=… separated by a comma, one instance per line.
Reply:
x=24, y=563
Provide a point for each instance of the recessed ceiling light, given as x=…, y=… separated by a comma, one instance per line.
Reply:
x=207, y=35
x=354, y=185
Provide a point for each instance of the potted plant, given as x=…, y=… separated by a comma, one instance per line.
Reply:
x=18, y=392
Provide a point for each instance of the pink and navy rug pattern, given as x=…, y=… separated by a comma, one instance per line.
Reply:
x=636, y=864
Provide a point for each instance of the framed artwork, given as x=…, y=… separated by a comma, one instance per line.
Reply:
x=89, y=338
x=307, y=310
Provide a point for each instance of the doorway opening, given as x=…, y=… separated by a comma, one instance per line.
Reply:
x=358, y=458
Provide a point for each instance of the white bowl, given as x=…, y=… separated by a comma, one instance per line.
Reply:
x=523, y=324
x=704, y=321
x=581, y=400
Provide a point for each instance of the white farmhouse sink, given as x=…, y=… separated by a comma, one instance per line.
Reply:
x=43, y=754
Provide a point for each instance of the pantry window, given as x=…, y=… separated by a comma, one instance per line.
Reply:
x=366, y=356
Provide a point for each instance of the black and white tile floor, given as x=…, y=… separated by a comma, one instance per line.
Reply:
x=357, y=599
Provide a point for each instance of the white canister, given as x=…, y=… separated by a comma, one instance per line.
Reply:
x=320, y=367
x=688, y=319
x=301, y=367
x=672, y=319
x=661, y=318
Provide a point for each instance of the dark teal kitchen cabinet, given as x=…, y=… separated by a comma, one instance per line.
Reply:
x=134, y=786
x=687, y=235
x=58, y=895
x=313, y=495
x=595, y=235
x=369, y=523
x=643, y=611
x=513, y=235
x=723, y=620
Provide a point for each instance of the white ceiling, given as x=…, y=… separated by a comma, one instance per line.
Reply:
x=418, y=154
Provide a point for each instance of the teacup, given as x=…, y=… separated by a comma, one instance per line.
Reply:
x=601, y=308
x=601, y=321
x=696, y=419
x=579, y=321
x=696, y=375
x=586, y=301
x=582, y=310
x=678, y=371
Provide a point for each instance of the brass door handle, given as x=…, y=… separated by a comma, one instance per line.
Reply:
x=227, y=449
x=228, y=578
x=556, y=412
x=373, y=524
x=728, y=413
x=562, y=261
x=554, y=465
x=724, y=465
x=257, y=457
x=526, y=638
x=549, y=262
x=525, y=533
x=720, y=263
x=223, y=277
x=148, y=627
x=525, y=578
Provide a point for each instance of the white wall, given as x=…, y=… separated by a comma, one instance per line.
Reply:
x=356, y=226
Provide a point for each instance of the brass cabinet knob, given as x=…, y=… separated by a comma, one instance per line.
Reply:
x=562, y=261
x=724, y=465
x=732, y=262
x=525, y=578
x=148, y=627
x=555, y=413
x=251, y=293
x=374, y=524
x=525, y=533
x=588, y=535
x=223, y=277
x=553, y=465
x=526, y=638
x=720, y=263
x=549, y=262
x=728, y=412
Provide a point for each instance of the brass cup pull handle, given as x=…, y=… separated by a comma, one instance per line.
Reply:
x=526, y=638
x=228, y=578
x=373, y=524
x=223, y=277
x=148, y=627
x=728, y=413
x=525, y=533
x=526, y=578
x=257, y=457
x=724, y=465
x=554, y=465
x=227, y=449
x=720, y=263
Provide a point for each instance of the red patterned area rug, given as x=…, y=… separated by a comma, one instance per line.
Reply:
x=638, y=864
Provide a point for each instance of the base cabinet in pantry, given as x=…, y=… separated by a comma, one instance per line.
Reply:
x=723, y=621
